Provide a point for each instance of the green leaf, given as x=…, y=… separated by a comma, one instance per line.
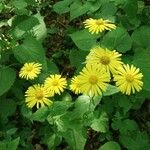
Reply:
x=83, y=40
x=40, y=30
x=100, y=124
x=131, y=7
x=75, y=139
x=30, y=51
x=78, y=8
x=77, y=57
x=110, y=146
x=124, y=126
x=7, y=78
x=62, y=6
x=19, y=4
x=111, y=90
x=118, y=39
x=7, y=145
x=138, y=141
x=22, y=25
x=7, y=107
x=51, y=67
x=141, y=37
x=107, y=10
x=84, y=104
x=142, y=60
x=40, y=115
x=57, y=109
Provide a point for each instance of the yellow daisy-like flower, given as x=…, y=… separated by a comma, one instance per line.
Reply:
x=98, y=25
x=37, y=95
x=129, y=79
x=75, y=85
x=55, y=84
x=93, y=80
x=30, y=70
x=104, y=58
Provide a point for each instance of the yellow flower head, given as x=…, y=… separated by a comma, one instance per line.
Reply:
x=98, y=25
x=104, y=58
x=37, y=95
x=75, y=85
x=55, y=84
x=30, y=70
x=93, y=80
x=128, y=79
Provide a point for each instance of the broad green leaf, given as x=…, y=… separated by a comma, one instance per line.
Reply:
x=40, y=30
x=110, y=146
x=83, y=40
x=111, y=90
x=118, y=39
x=100, y=124
x=62, y=6
x=51, y=67
x=125, y=103
x=9, y=145
x=30, y=51
x=106, y=11
x=131, y=7
x=19, y=4
x=7, y=107
x=141, y=37
x=142, y=61
x=75, y=139
x=57, y=109
x=84, y=104
x=53, y=141
x=7, y=78
x=137, y=141
x=40, y=115
x=124, y=126
x=22, y=25
x=78, y=8
x=77, y=57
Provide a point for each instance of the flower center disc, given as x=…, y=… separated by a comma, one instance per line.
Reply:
x=99, y=22
x=105, y=60
x=39, y=95
x=55, y=83
x=129, y=77
x=30, y=68
x=93, y=79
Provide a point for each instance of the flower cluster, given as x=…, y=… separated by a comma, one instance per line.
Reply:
x=102, y=67
x=128, y=78
x=39, y=94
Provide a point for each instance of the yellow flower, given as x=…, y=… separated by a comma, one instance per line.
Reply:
x=98, y=25
x=37, y=95
x=30, y=70
x=75, y=85
x=93, y=80
x=104, y=58
x=128, y=79
x=55, y=84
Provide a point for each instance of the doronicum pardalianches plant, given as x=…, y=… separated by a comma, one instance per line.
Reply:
x=74, y=74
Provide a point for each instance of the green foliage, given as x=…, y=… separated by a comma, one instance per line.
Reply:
x=141, y=59
x=5, y=145
x=6, y=81
x=52, y=33
x=30, y=51
x=83, y=40
x=118, y=39
x=141, y=37
x=110, y=145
